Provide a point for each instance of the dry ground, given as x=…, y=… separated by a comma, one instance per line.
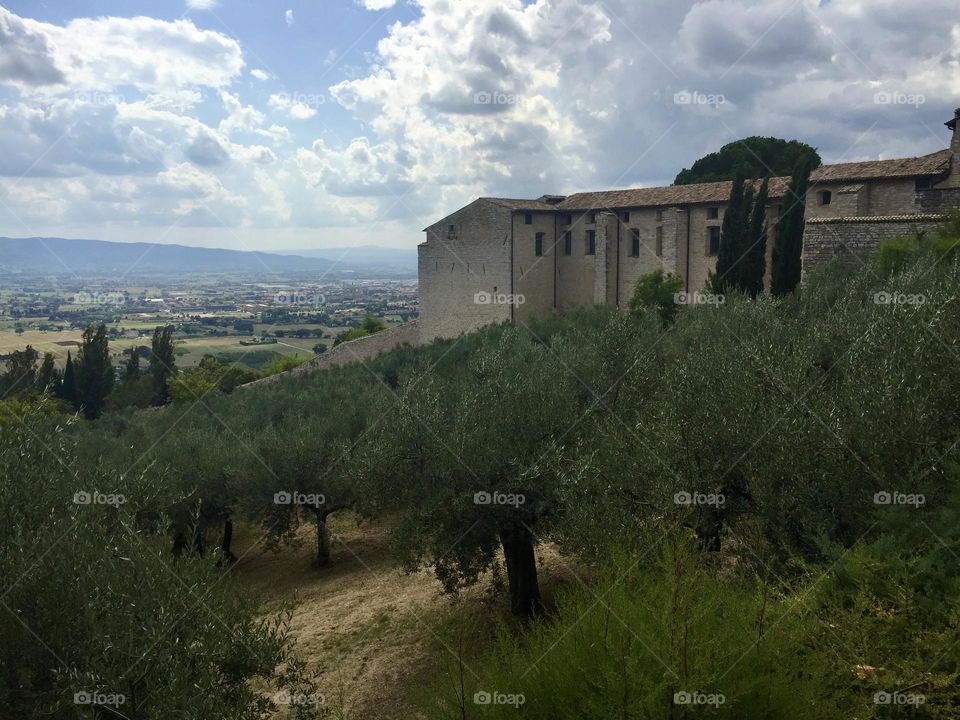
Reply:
x=381, y=637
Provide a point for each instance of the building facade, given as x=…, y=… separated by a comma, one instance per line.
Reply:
x=500, y=259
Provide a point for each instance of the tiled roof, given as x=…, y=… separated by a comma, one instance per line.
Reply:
x=718, y=192
x=937, y=163
x=514, y=204
x=915, y=217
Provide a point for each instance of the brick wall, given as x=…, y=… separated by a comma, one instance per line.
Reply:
x=824, y=240
x=364, y=348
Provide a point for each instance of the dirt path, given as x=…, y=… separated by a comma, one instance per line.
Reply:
x=379, y=635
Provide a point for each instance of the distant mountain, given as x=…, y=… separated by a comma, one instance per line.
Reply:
x=57, y=256
x=363, y=256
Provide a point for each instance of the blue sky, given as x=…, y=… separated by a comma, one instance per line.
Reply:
x=273, y=125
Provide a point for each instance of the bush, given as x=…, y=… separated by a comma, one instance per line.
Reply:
x=657, y=291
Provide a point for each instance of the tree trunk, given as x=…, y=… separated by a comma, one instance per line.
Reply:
x=521, y=561
x=225, y=549
x=323, y=537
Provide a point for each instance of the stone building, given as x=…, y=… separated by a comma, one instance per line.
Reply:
x=503, y=259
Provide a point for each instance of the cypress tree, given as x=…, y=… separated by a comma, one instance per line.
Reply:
x=131, y=370
x=68, y=386
x=788, y=247
x=47, y=374
x=162, y=363
x=755, y=261
x=94, y=371
x=731, y=239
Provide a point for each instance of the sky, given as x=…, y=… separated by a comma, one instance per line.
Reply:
x=285, y=124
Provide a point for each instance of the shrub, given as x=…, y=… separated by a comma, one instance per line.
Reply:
x=657, y=291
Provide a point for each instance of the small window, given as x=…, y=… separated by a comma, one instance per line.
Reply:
x=453, y=228
x=528, y=219
x=826, y=197
x=659, y=242
x=538, y=245
x=659, y=215
x=591, y=218
x=635, y=242
x=713, y=213
x=713, y=240
x=924, y=183
x=567, y=243
x=626, y=216
x=566, y=219
x=591, y=242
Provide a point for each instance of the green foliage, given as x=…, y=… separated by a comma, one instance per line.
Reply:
x=284, y=363
x=94, y=371
x=21, y=372
x=755, y=255
x=734, y=239
x=96, y=606
x=750, y=157
x=657, y=290
x=368, y=326
x=788, y=247
x=895, y=254
x=163, y=363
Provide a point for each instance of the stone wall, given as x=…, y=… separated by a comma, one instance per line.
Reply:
x=358, y=350
x=825, y=239
x=939, y=200
x=533, y=277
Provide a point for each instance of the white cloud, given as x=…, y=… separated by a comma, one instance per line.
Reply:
x=378, y=4
x=202, y=4
x=259, y=74
x=288, y=17
x=298, y=106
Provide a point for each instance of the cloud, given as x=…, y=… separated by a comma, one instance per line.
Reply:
x=259, y=74
x=378, y=4
x=299, y=106
x=202, y=4
x=25, y=54
x=288, y=17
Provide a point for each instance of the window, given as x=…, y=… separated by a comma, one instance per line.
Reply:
x=567, y=243
x=713, y=240
x=924, y=183
x=713, y=213
x=538, y=245
x=626, y=216
x=659, y=242
x=591, y=218
x=635, y=242
x=659, y=215
x=528, y=219
x=566, y=219
x=591, y=242
x=826, y=197
x=452, y=228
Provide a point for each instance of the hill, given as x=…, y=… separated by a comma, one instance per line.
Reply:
x=56, y=256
